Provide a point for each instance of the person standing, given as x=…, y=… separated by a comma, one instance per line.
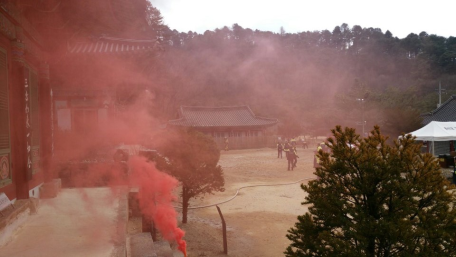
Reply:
x=293, y=142
x=304, y=143
x=286, y=146
x=290, y=159
x=316, y=159
x=226, y=143
x=288, y=153
x=295, y=157
x=279, y=150
x=454, y=172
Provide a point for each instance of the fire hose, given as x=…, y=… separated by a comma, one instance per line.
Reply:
x=239, y=189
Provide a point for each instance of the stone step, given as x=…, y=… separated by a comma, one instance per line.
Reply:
x=177, y=253
x=142, y=245
x=163, y=249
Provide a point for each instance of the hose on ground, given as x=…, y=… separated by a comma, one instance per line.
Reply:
x=239, y=189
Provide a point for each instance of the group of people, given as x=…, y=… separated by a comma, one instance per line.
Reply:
x=289, y=147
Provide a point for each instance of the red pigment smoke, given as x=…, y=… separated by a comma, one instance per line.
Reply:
x=156, y=198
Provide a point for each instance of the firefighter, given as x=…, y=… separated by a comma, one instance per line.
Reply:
x=294, y=154
x=316, y=159
x=288, y=149
x=279, y=149
x=304, y=143
x=293, y=142
x=226, y=143
x=286, y=146
x=119, y=166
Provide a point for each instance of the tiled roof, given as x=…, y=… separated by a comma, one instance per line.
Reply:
x=112, y=45
x=234, y=116
x=446, y=112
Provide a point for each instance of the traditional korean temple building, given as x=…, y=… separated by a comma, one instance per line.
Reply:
x=66, y=68
x=237, y=123
x=58, y=61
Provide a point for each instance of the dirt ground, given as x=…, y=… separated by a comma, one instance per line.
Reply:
x=258, y=218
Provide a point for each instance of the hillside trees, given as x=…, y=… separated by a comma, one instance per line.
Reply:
x=448, y=59
x=192, y=158
x=299, y=76
x=374, y=199
x=392, y=108
x=154, y=22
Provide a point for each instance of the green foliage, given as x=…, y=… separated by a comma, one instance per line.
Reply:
x=122, y=18
x=272, y=71
x=192, y=158
x=401, y=120
x=374, y=199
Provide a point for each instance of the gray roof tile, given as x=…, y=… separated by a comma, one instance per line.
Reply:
x=233, y=116
x=112, y=45
x=446, y=112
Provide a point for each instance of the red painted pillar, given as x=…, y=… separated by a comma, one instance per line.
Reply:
x=46, y=123
x=18, y=122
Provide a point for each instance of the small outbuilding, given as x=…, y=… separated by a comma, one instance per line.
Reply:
x=446, y=112
x=435, y=132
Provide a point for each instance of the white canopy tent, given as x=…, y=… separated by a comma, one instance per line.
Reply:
x=436, y=131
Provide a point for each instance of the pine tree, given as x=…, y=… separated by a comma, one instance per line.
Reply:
x=192, y=158
x=375, y=199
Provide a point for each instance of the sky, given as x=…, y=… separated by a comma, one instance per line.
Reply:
x=400, y=17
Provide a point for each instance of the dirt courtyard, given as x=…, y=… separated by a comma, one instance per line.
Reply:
x=258, y=218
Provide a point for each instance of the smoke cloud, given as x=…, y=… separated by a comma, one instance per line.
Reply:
x=156, y=197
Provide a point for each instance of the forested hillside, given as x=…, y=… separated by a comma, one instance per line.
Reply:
x=310, y=80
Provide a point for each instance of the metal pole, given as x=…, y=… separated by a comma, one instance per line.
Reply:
x=362, y=102
x=362, y=114
x=433, y=153
x=440, y=94
x=225, y=243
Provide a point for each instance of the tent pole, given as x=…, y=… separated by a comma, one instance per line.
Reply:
x=433, y=153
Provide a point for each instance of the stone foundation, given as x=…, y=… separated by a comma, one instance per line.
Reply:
x=14, y=217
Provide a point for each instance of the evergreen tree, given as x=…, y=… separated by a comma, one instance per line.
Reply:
x=192, y=158
x=374, y=199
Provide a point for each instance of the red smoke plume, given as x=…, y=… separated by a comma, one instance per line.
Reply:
x=156, y=197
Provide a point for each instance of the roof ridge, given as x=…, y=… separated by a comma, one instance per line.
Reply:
x=221, y=116
x=266, y=118
x=129, y=39
x=445, y=112
x=215, y=107
x=451, y=98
